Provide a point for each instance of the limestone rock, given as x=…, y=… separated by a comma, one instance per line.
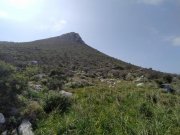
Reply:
x=4, y=133
x=25, y=128
x=66, y=94
x=2, y=119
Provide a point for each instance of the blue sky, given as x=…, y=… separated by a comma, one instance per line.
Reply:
x=141, y=32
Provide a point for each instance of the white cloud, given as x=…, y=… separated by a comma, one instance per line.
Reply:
x=176, y=41
x=153, y=30
x=20, y=10
x=58, y=25
x=4, y=15
x=151, y=2
x=22, y=4
x=173, y=40
x=53, y=26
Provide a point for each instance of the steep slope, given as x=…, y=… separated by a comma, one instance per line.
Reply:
x=63, y=86
x=68, y=51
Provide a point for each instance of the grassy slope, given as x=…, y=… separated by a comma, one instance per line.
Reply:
x=124, y=109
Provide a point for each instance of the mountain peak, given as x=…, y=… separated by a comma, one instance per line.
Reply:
x=72, y=36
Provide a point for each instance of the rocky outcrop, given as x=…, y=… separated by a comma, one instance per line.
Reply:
x=73, y=37
x=25, y=128
x=2, y=119
x=167, y=88
x=14, y=132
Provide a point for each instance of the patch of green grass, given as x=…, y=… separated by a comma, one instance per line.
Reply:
x=122, y=110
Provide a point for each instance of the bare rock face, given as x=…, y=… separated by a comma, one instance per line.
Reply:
x=2, y=119
x=25, y=128
x=72, y=36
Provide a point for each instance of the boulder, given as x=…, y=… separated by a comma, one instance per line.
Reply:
x=25, y=128
x=14, y=132
x=167, y=88
x=2, y=119
x=66, y=94
x=4, y=133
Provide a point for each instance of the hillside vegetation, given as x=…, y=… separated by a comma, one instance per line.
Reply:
x=70, y=52
x=61, y=86
x=124, y=109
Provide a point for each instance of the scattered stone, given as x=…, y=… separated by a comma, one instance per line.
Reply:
x=25, y=128
x=167, y=88
x=140, y=85
x=34, y=62
x=111, y=82
x=36, y=87
x=40, y=76
x=78, y=84
x=4, y=133
x=66, y=94
x=14, y=132
x=2, y=119
x=141, y=79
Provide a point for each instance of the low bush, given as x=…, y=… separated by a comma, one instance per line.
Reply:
x=159, y=82
x=57, y=102
x=146, y=111
x=168, y=78
x=54, y=84
x=34, y=111
x=78, y=84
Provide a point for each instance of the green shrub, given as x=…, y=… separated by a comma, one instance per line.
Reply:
x=78, y=84
x=168, y=78
x=11, y=84
x=31, y=71
x=57, y=102
x=54, y=84
x=33, y=111
x=159, y=82
x=146, y=110
x=5, y=70
x=152, y=98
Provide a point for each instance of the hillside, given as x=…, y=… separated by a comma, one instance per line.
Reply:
x=60, y=85
x=68, y=51
x=71, y=52
x=123, y=110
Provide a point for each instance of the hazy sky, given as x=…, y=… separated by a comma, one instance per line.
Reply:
x=141, y=32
